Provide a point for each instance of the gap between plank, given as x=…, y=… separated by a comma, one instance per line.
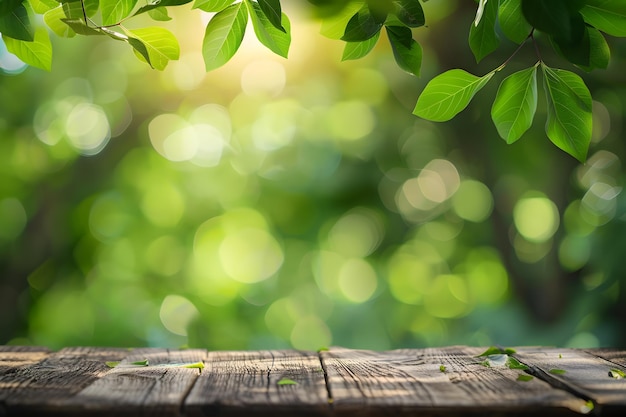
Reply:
x=181, y=410
x=328, y=390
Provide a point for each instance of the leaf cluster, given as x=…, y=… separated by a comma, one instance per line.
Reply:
x=576, y=30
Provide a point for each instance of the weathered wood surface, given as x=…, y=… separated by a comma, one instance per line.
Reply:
x=339, y=382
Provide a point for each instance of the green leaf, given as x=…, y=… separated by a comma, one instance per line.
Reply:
x=406, y=51
x=559, y=18
x=524, y=377
x=195, y=365
x=42, y=6
x=334, y=25
x=361, y=26
x=515, y=104
x=576, y=50
x=483, y=39
x=15, y=23
x=494, y=350
x=617, y=374
x=512, y=21
x=272, y=10
x=140, y=50
x=160, y=43
x=599, y=52
x=442, y=368
x=153, y=5
x=286, y=381
x=275, y=39
x=557, y=371
x=410, y=13
x=78, y=26
x=448, y=94
x=54, y=19
x=223, y=35
x=608, y=16
x=212, y=5
x=113, y=11
x=515, y=364
x=112, y=364
x=357, y=50
x=144, y=362
x=160, y=14
x=569, y=111
x=74, y=9
x=36, y=53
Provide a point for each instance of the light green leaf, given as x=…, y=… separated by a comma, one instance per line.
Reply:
x=160, y=43
x=54, y=19
x=74, y=9
x=442, y=368
x=512, y=21
x=113, y=11
x=406, y=51
x=223, y=35
x=569, y=111
x=15, y=23
x=334, y=25
x=160, y=14
x=42, y=6
x=78, y=26
x=524, y=377
x=357, y=50
x=494, y=350
x=112, y=364
x=557, y=371
x=617, y=374
x=515, y=104
x=599, y=52
x=286, y=381
x=155, y=4
x=267, y=33
x=144, y=362
x=448, y=94
x=37, y=53
x=513, y=363
x=483, y=39
x=212, y=5
x=609, y=16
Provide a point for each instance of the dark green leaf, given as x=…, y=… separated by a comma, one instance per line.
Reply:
x=608, y=16
x=223, y=35
x=212, y=5
x=160, y=43
x=162, y=3
x=599, y=52
x=36, y=53
x=524, y=377
x=576, y=50
x=448, y=94
x=272, y=10
x=512, y=21
x=361, y=26
x=515, y=104
x=113, y=11
x=494, y=350
x=410, y=13
x=406, y=51
x=483, y=39
x=559, y=18
x=515, y=364
x=140, y=50
x=569, y=111
x=275, y=39
x=15, y=23
x=357, y=50
x=380, y=9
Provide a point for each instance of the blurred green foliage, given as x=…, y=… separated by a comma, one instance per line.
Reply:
x=298, y=203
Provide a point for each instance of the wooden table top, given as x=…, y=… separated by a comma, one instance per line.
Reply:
x=443, y=381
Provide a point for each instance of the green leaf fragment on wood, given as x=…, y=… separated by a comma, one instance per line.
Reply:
x=524, y=377
x=494, y=350
x=617, y=374
x=515, y=364
x=195, y=365
x=112, y=364
x=286, y=381
x=442, y=368
x=144, y=362
x=556, y=371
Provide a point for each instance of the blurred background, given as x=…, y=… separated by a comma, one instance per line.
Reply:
x=298, y=203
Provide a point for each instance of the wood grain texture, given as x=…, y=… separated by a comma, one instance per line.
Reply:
x=411, y=382
x=13, y=358
x=157, y=389
x=249, y=383
x=584, y=374
x=39, y=388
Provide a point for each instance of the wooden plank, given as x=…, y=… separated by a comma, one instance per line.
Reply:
x=13, y=358
x=35, y=389
x=157, y=389
x=435, y=382
x=249, y=384
x=615, y=356
x=584, y=374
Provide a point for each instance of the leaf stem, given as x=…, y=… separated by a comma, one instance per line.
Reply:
x=535, y=44
x=504, y=64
